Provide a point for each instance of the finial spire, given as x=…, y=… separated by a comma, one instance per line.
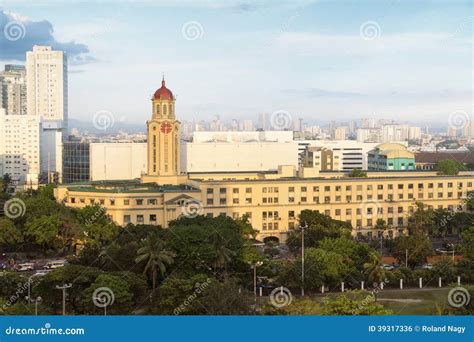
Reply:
x=163, y=80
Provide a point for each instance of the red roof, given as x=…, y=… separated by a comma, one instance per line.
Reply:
x=163, y=93
x=434, y=157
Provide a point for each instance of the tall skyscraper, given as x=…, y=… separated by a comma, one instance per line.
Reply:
x=46, y=72
x=13, y=89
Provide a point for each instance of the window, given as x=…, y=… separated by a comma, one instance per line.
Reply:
x=235, y=201
x=291, y=189
x=139, y=218
x=222, y=201
x=291, y=214
x=316, y=188
x=222, y=190
x=126, y=218
x=139, y=202
x=210, y=191
x=338, y=212
x=248, y=190
x=348, y=212
x=152, y=218
x=235, y=190
x=126, y=202
x=152, y=201
x=248, y=200
x=210, y=201
x=303, y=189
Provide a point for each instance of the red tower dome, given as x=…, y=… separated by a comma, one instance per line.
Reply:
x=163, y=93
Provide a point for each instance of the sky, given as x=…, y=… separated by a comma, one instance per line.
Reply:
x=319, y=60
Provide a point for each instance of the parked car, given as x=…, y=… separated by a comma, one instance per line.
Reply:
x=51, y=265
x=426, y=266
x=388, y=267
x=27, y=266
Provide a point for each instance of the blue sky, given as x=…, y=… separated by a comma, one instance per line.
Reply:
x=311, y=58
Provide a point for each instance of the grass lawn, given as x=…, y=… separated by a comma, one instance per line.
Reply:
x=426, y=301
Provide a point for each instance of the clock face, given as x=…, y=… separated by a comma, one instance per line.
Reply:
x=166, y=127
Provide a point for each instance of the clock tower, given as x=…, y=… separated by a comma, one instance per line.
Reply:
x=163, y=139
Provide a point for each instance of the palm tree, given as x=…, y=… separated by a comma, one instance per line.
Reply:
x=156, y=257
x=374, y=271
x=223, y=253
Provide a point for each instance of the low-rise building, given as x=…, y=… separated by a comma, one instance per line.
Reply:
x=392, y=157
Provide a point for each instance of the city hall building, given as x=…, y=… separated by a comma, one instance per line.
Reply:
x=272, y=201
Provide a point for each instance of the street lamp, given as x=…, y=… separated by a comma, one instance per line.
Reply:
x=36, y=301
x=254, y=267
x=64, y=287
x=302, y=257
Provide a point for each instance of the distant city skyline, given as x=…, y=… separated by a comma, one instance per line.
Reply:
x=315, y=60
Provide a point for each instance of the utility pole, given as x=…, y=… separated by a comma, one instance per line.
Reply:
x=406, y=258
x=302, y=257
x=64, y=287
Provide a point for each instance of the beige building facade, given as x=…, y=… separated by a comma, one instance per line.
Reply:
x=272, y=201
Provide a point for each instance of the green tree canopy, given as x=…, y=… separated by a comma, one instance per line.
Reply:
x=449, y=167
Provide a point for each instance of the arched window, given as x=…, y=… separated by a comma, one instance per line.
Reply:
x=171, y=110
x=164, y=109
x=158, y=109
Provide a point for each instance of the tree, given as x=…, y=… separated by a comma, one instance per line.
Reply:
x=467, y=246
x=357, y=173
x=112, y=290
x=445, y=269
x=422, y=220
x=419, y=248
x=449, y=167
x=353, y=303
x=225, y=298
x=223, y=253
x=319, y=227
x=44, y=230
x=154, y=255
x=9, y=234
x=374, y=270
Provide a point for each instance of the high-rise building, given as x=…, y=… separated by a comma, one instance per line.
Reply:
x=340, y=133
x=13, y=89
x=47, y=99
x=20, y=148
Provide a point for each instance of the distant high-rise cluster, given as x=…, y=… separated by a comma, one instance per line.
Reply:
x=33, y=116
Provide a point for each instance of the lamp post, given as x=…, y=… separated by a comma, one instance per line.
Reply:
x=302, y=257
x=64, y=287
x=406, y=258
x=254, y=267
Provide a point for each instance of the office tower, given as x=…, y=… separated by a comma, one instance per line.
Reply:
x=46, y=72
x=13, y=89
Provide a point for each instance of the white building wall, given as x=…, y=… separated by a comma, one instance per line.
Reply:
x=114, y=161
x=234, y=157
x=19, y=148
x=244, y=136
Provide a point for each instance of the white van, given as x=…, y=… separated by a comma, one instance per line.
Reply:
x=27, y=266
x=51, y=265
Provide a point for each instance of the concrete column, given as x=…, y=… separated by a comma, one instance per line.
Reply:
x=362, y=285
x=322, y=289
x=260, y=291
x=420, y=280
x=459, y=281
x=342, y=287
x=401, y=284
x=439, y=282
